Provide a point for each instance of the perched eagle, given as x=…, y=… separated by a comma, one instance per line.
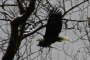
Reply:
x=53, y=28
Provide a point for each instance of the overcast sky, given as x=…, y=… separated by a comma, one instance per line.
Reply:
x=65, y=47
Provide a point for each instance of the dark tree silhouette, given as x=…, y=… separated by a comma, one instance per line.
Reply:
x=21, y=23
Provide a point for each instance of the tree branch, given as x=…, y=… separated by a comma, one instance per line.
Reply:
x=74, y=7
x=14, y=42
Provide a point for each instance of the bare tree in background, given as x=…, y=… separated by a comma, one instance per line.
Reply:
x=22, y=22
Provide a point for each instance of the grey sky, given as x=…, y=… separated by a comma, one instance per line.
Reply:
x=74, y=45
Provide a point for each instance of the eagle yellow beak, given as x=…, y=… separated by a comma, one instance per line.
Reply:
x=37, y=40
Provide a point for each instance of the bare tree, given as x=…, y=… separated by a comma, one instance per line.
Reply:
x=21, y=23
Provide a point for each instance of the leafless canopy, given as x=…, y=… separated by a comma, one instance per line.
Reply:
x=22, y=22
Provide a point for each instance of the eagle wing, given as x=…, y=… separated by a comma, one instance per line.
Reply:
x=53, y=28
x=54, y=24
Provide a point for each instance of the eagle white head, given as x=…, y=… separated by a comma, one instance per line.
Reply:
x=40, y=39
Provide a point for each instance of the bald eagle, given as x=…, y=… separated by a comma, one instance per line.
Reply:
x=53, y=28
